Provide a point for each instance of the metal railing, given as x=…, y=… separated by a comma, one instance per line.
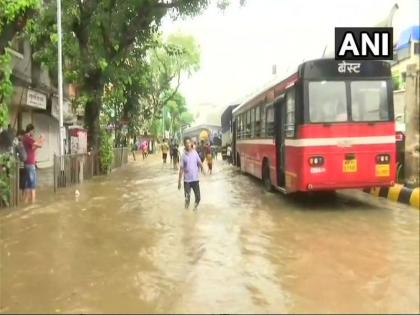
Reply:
x=73, y=169
x=120, y=157
x=13, y=193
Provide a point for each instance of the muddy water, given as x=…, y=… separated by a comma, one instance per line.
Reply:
x=127, y=245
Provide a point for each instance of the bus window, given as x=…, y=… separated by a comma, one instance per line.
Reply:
x=258, y=121
x=248, y=124
x=263, y=111
x=369, y=101
x=327, y=101
x=253, y=123
x=238, y=127
x=269, y=121
x=290, y=117
x=242, y=125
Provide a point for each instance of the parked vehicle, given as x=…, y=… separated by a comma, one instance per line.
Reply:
x=226, y=122
x=328, y=125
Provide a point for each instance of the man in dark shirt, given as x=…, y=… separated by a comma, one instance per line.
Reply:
x=31, y=145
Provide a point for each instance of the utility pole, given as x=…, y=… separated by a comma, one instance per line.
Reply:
x=60, y=78
x=163, y=123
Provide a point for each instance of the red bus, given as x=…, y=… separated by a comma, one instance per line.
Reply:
x=329, y=125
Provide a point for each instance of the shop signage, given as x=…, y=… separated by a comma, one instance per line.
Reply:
x=36, y=99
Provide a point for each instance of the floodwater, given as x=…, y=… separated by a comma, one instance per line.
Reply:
x=127, y=245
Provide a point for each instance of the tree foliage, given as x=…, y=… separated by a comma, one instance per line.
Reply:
x=151, y=84
x=179, y=55
x=99, y=39
x=14, y=15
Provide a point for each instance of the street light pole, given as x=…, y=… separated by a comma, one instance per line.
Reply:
x=60, y=78
x=163, y=123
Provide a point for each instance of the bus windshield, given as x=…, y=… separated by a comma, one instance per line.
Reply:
x=328, y=101
x=369, y=101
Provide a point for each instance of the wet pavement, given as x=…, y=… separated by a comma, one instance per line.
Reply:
x=127, y=245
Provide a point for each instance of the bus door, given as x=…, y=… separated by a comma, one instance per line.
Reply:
x=279, y=129
x=233, y=144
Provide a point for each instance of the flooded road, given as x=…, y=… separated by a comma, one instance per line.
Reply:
x=128, y=246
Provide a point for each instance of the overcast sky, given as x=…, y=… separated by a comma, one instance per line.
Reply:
x=239, y=46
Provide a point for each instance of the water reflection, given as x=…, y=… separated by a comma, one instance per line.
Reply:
x=127, y=245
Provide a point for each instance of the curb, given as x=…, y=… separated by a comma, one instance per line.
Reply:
x=397, y=193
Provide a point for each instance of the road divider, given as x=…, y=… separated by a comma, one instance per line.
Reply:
x=397, y=193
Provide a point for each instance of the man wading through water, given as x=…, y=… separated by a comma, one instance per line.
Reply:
x=189, y=166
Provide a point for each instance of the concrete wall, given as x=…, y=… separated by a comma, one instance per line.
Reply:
x=400, y=67
x=399, y=102
x=22, y=62
x=28, y=74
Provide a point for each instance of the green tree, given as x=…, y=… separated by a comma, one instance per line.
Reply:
x=98, y=37
x=176, y=107
x=177, y=56
x=14, y=15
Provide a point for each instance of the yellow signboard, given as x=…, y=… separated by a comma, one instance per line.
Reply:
x=350, y=166
x=382, y=170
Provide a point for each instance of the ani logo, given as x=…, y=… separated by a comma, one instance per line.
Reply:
x=369, y=43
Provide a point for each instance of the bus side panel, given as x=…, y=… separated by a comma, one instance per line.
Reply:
x=347, y=129
x=252, y=156
x=293, y=164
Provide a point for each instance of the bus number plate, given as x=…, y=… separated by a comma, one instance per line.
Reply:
x=382, y=170
x=350, y=166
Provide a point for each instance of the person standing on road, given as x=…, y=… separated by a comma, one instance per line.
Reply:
x=200, y=151
x=175, y=154
x=190, y=165
x=228, y=154
x=21, y=153
x=31, y=145
x=145, y=149
x=209, y=157
x=165, y=148
x=171, y=144
x=134, y=149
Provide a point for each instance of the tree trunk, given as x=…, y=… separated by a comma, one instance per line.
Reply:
x=92, y=111
x=94, y=87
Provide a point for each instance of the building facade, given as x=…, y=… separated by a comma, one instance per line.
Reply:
x=406, y=52
x=34, y=100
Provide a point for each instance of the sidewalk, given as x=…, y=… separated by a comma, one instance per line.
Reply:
x=398, y=193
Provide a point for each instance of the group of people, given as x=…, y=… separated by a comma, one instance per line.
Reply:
x=203, y=150
x=24, y=146
x=173, y=149
x=144, y=146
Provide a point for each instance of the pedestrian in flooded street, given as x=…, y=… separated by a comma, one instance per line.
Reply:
x=134, y=149
x=175, y=154
x=190, y=165
x=165, y=148
x=31, y=145
x=209, y=157
x=145, y=149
